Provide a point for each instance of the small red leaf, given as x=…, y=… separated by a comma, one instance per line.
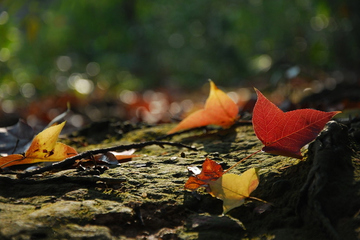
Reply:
x=194, y=183
x=211, y=171
x=286, y=133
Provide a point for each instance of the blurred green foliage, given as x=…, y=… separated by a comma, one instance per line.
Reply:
x=48, y=46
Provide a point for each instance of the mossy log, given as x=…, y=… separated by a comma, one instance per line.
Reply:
x=145, y=197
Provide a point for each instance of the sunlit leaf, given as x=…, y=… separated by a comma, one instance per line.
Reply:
x=219, y=110
x=234, y=189
x=285, y=133
x=44, y=148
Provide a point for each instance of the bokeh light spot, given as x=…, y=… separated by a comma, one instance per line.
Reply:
x=77, y=120
x=128, y=97
x=319, y=22
x=8, y=106
x=83, y=86
x=4, y=17
x=234, y=96
x=93, y=69
x=28, y=90
x=187, y=105
x=175, y=108
x=4, y=54
x=261, y=63
x=63, y=63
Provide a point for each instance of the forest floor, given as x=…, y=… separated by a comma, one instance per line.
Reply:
x=314, y=198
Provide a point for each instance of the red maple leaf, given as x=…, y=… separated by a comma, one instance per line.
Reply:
x=211, y=171
x=286, y=133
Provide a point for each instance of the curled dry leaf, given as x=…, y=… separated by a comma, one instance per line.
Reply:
x=114, y=158
x=44, y=148
x=285, y=133
x=234, y=189
x=219, y=110
x=16, y=138
x=210, y=172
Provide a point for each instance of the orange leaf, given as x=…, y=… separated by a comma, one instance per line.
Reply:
x=194, y=183
x=11, y=160
x=43, y=148
x=211, y=171
x=219, y=110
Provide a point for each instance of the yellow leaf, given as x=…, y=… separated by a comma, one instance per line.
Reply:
x=233, y=189
x=44, y=148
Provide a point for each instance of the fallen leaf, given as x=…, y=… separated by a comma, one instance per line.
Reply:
x=43, y=148
x=234, y=189
x=16, y=138
x=114, y=158
x=124, y=154
x=210, y=172
x=194, y=183
x=219, y=110
x=285, y=133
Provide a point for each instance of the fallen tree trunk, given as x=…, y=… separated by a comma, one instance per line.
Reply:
x=313, y=198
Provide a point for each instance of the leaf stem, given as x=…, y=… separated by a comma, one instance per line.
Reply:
x=257, y=199
x=242, y=160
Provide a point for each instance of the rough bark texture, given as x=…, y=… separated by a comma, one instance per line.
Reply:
x=314, y=198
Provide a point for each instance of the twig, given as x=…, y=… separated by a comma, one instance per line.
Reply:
x=71, y=160
x=242, y=160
